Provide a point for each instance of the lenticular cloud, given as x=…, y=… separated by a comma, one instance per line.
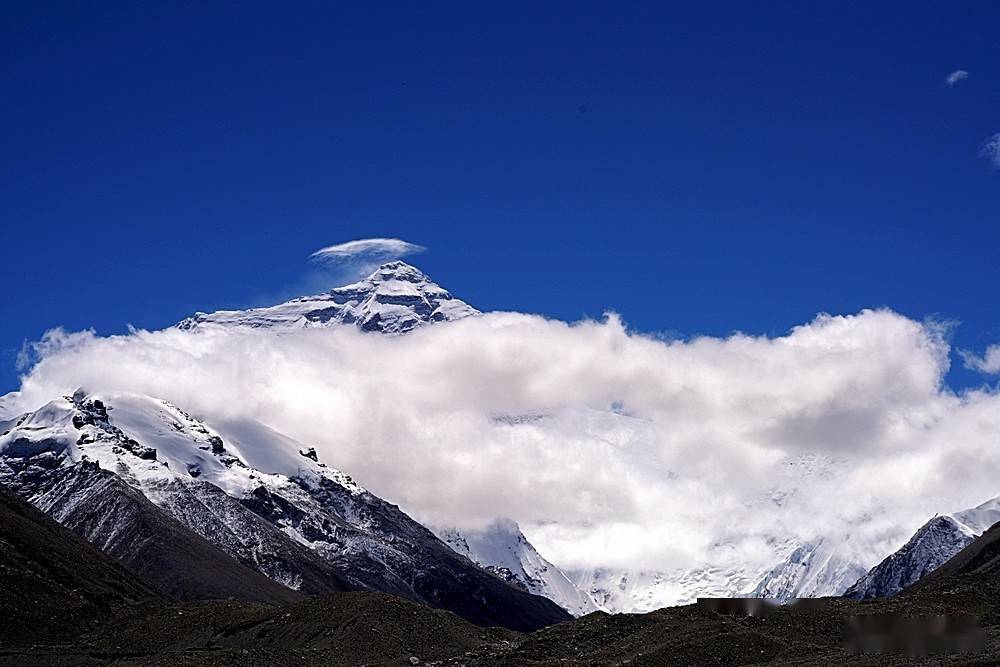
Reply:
x=610, y=447
x=368, y=250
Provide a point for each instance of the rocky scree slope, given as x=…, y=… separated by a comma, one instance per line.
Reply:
x=54, y=584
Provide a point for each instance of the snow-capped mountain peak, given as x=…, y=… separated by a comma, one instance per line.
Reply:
x=396, y=298
x=115, y=467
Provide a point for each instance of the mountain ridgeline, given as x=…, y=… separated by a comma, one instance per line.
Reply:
x=240, y=511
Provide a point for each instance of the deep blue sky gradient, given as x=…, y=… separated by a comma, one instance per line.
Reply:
x=697, y=167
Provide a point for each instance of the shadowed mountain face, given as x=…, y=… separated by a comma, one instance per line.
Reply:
x=933, y=544
x=178, y=563
x=63, y=601
x=53, y=583
x=978, y=561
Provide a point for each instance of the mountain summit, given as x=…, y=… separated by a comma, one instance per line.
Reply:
x=395, y=299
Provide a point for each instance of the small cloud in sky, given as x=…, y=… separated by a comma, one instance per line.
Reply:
x=988, y=363
x=991, y=150
x=955, y=77
x=367, y=250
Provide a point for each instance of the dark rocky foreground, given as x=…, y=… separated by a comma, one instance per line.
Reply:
x=53, y=582
x=377, y=629
x=63, y=602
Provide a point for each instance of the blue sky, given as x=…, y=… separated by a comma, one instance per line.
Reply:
x=697, y=169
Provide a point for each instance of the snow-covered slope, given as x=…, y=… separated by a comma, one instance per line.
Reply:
x=930, y=547
x=817, y=569
x=980, y=518
x=257, y=495
x=640, y=591
x=802, y=570
x=809, y=570
x=502, y=549
x=394, y=299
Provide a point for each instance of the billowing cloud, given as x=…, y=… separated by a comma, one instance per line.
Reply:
x=609, y=447
x=374, y=250
x=991, y=150
x=955, y=77
x=988, y=363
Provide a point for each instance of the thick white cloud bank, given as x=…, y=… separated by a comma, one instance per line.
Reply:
x=611, y=448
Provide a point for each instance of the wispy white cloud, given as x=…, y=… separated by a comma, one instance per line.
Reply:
x=991, y=150
x=988, y=363
x=955, y=77
x=367, y=250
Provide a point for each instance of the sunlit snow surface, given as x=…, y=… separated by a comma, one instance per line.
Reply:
x=183, y=444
